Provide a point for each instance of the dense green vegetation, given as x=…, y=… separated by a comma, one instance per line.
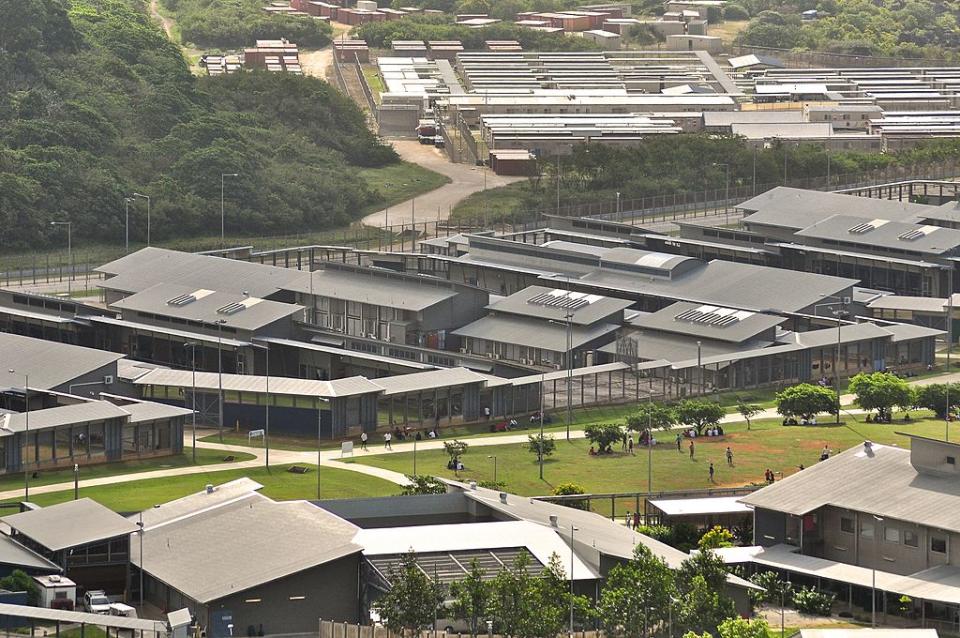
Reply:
x=237, y=23
x=681, y=164
x=900, y=28
x=96, y=103
x=442, y=27
x=503, y=9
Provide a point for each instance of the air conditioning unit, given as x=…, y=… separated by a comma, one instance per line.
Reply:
x=496, y=356
x=108, y=379
x=463, y=351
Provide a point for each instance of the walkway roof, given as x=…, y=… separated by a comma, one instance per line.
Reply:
x=182, y=334
x=80, y=617
x=70, y=524
x=208, y=381
x=343, y=352
x=701, y=506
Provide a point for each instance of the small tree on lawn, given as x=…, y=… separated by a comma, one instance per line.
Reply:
x=652, y=415
x=603, y=436
x=715, y=538
x=699, y=414
x=414, y=600
x=934, y=397
x=748, y=410
x=541, y=445
x=471, y=597
x=805, y=400
x=881, y=391
x=423, y=484
x=636, y=595
x=743, y=628
x=455, y=449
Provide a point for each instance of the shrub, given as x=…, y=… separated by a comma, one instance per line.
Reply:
x=661, y=533
x=772, y=588
x=735, y=12
x=811, y=601
x=568, y=489
x=715, y=538
x=423, y=484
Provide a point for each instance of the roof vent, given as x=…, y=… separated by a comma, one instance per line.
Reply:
x=182, y=300
x=866, y=227
x=54, y=578
x=503, y=497
x=553, y=521
x=209, y=488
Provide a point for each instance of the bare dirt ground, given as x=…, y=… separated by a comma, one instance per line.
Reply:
x=465, y=180
x=317, y=62
x=165, y=22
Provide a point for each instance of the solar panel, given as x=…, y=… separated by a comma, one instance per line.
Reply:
x=182, y=300
x=231, y=308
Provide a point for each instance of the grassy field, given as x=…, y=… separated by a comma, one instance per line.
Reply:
x=50, y=477
x=491, y=204
x=767, y=445
x=374, y=82
x=278, y=483
x=397, y=183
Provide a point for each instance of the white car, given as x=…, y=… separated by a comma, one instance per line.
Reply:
x=96, y=602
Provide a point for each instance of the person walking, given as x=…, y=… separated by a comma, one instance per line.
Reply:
x=711, y=472
x=624, y=441
x=363, y=440
x=729, y=456
x=679, y=440
x=387, y=438
x=691, y=449
x=630, y=444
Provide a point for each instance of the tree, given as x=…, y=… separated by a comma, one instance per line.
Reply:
x=652, y=415
x=19, y=580
x=934, y=397
x=471, y=598
x=569, y=489
x=636, y=595
x=455, y=449
x=743, y=628
x=805, y=400
x=715, y=538
x=527, y=606
x=699, y=414
x=700, y=584
x=414, y=601
x=423, y=484
x=603, y=436
x=541, y=445
x=747, y=410
x=881, y=391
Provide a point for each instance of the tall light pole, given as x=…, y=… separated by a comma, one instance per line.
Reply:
x=494, y=457
x=619, y=214
x=223, y=176
x=193, y=394
x=26, y=434
x=573, y=528
x=320, y=402
x=126, y=224
x=699, y=369
x=266, y=430
x=569, y=319
x=69, y=226
x=141, y=530
x=558, y=181
x=726, y=181
x=542, y=401
x=946, y=386
x=220, y=323
x=146, y=197
x=839, y=313
x=873, y=588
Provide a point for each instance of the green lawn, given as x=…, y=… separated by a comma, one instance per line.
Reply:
x=396, y=183
x=492, y=204
x=50, y=477
x=277, y=482
x=767, y=445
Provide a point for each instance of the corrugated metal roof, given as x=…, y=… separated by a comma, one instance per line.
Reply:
x=49, y=363
x=196, y=502
x=576, y=372
x=670, y=319
x=70, y=524
x=183, y=334
x=150, y=266
x=269, y=540
x=916, y=304
x=700, y=506
x=156, y=627
x=143, y=411
x=879, y=480
x=377, y=287
x=533, y=333
x=428, y=380
x=356, y=354
x=907, y=332
x=13, y=553
x=593, y=308
x=252, y=312
x=349, y=386
x=85, y=412
x=933, y=240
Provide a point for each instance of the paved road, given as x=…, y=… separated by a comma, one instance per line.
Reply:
x=465, y=180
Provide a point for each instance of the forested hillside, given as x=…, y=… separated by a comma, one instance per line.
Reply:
x=235, y=24
x=95, y=103
x=901, y=28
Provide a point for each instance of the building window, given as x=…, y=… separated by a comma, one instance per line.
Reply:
x=891, y=534
x=938, y=544
x=846, y=525
x=866, y=530
x=910, y=539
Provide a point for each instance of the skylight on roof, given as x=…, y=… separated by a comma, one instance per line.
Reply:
x=866, y=227
x=563, y=299
x=713, y=316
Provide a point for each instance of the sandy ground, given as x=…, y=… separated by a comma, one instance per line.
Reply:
x=316, y=63
x=465, y=180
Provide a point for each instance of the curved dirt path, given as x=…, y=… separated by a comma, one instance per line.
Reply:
x=164, y=21
x=465, y=180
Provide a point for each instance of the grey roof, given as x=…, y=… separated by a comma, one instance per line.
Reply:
x=734, y=285
x=173, y=332
x=70, y=524
x=908, y=332
x=880, y=480
x=671, y=319
x=144, y=411
x=348, y=386
x=797, y=208
x=534, y=333
x=915, y=304
x=155, y=627
x=49, y=363
x=198, y=501
x=269, y=540
x=345, y=353
x=378, y=287
x=672, y=348
x=646, y=258
x=246, y=313
x=76, y=413
x=752, y=59
x=150, y=266
x=848, y=333
x=13, y=553
x=529, y=302
x=429, y=380
x=933, y=240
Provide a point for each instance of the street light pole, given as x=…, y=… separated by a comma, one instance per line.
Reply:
x=699, y=370
x=146, y=197
x=220, y=323
x=946, y=386
x=569, y=372
x=873, y=588
x=540, y=448
x=193, y=394
x=573, y=528
x=266, y=431
x=126, y=224
x=222, y=178
x=26, y=434
x=839, y=314
x=69, y=226
x=140, y=525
